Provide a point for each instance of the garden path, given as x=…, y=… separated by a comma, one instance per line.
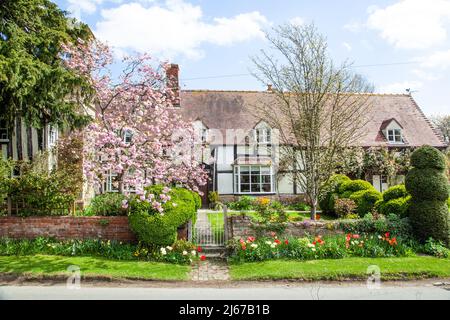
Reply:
x=210, y=270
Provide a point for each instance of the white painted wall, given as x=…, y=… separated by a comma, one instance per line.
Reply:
x=225, y=183
x=225, y=158
x=285, y=184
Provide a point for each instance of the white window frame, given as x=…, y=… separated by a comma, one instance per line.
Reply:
x=393, y=134
x=4, y=134
x=108, y=184
x=204, y=134
x=127, y=135
x=263, y=135
x=52, y=135
x=237, y=179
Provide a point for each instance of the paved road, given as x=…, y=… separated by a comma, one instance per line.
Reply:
x=258, y=291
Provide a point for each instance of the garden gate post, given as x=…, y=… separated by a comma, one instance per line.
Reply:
x=225, y=224
x=8, y=201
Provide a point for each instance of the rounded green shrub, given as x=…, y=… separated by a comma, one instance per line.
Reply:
x=329, y=192
x=365, y=200
x=395, y=192
x=428, y=187
x=429, y=219
x=397, y=206
x=354, y=185
x=428, y=157
x=153, y=228
x=427, y=184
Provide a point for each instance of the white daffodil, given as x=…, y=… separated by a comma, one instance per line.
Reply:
x=193, y=252
x=163, y=251
x=254, y=245
x=185, y=253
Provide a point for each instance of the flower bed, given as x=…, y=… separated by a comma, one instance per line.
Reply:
x=310, y=248
x=181, y=252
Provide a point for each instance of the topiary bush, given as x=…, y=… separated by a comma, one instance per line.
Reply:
x=428, y=157
x=330, y=192
x=395, y=192
x=427, y=184
x=354, y=185
x=365, y=200
x=153, y=227
x=396, y=206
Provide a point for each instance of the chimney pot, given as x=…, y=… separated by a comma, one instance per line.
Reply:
x=269, y=87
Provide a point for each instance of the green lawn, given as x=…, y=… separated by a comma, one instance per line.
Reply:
x=91, y=267
x=391, y=268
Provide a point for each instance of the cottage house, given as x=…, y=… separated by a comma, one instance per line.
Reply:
x=241, y=152
x=244, y=153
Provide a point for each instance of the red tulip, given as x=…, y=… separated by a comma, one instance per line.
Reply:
x=199, y=249
x=203, y=258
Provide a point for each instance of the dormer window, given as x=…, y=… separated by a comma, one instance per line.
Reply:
x=127, y=136
x=204, y=134
x=394, y=136
x=263, y=135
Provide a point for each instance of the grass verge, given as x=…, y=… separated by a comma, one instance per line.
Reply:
x=39, y=265
x=341, y=269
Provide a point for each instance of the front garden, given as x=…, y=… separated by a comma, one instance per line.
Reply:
x=368, y=228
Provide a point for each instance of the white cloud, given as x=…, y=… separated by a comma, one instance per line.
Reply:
x=77, y=7
x=439, y=59
x=400, y=87
x=297, y=21
x=347, y=46
x=175, y=28
x=412, y=24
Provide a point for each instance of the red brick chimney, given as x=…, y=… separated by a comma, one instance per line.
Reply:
x=173, y=82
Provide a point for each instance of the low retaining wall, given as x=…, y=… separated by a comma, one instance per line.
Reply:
x=240, y=227
x=66, y=227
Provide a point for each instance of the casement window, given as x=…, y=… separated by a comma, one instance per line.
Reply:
x=263, y=135
x=395, y=136
x=111, y=184
x=253, y=179
x=3, y=131
x=204, y=135
x=127, y=136
x=52, y=134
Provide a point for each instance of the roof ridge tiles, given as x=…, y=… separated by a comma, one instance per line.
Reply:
x=430, y=124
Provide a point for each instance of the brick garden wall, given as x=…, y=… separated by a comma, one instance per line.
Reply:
x=240, y=227
x=65, y=227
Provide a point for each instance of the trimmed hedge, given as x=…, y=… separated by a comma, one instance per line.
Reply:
x=330, y=192
x=395, y=192
x=353, y=186
x=396, y=206
x=429, y=219
x=428, y=157
x=153, y=228
x=428, y=186
x=365, y=200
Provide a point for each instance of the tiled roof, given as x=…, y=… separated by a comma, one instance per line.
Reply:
x=232, y=110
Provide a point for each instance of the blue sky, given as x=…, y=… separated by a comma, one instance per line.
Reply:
x=407, y=40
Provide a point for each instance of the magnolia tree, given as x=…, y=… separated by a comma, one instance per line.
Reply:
x=137, y=133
